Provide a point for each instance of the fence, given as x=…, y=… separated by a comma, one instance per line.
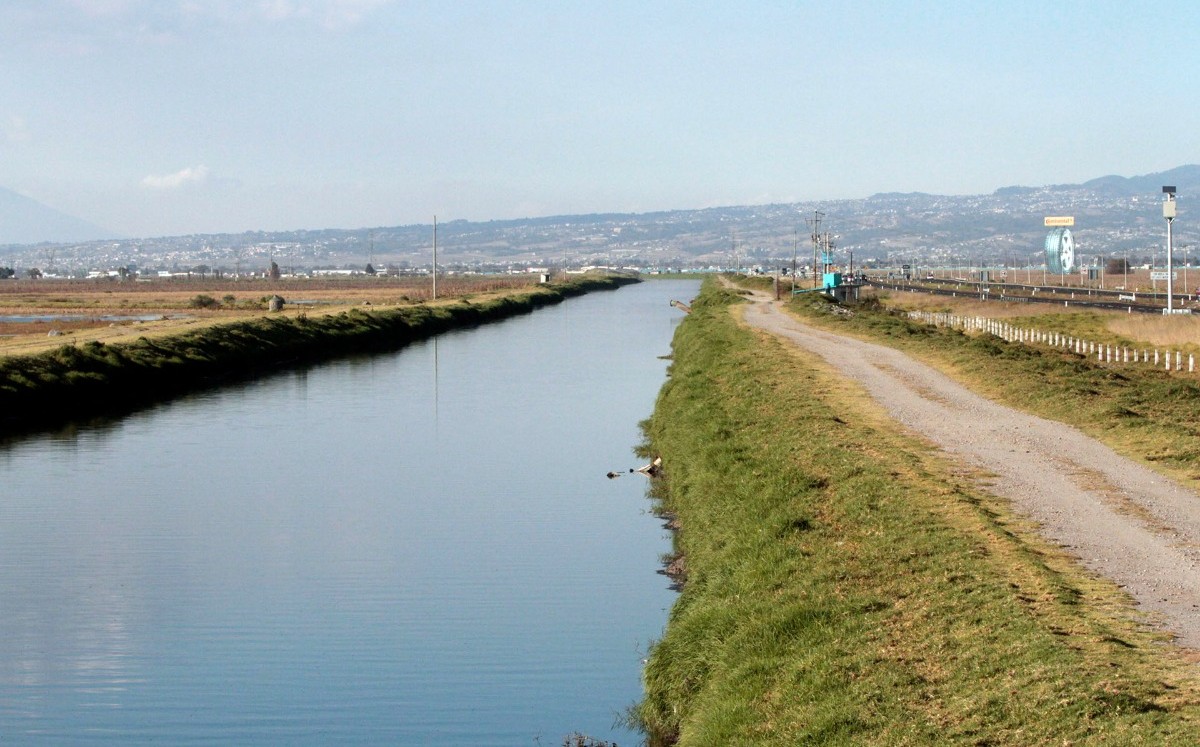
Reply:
x=1168, y=360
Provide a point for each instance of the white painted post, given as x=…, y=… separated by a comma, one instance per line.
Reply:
x=1191, y=362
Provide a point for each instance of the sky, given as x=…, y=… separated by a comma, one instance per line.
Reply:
x=167, y=117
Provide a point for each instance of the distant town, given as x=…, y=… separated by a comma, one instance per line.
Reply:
x=1115, y=217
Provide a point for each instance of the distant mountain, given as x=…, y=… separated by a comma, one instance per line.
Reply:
x=1184, y=178
x=26, y=221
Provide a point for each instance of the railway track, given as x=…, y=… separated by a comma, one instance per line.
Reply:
x=1087, y=298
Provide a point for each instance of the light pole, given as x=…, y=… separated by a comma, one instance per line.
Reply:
x=1169, y=214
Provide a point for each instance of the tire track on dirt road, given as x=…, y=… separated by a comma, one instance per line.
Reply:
x=1121, y=519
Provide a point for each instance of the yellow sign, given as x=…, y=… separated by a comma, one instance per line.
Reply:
x=1062, y=220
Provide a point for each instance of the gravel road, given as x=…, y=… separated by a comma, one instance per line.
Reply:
x=1121, y=519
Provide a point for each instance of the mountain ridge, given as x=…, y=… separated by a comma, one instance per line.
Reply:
x=24, y=220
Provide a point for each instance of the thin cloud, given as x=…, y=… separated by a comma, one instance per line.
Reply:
x=15, y=130
x=101, y=8
x=331, y=15
x=190, y=175
x=342, y=13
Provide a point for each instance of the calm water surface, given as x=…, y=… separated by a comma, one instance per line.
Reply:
x=417, y=549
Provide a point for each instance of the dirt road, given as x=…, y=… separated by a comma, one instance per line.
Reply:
x=1121, y=519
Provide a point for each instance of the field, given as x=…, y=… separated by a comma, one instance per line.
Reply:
x=182, y=305
x=1115, y=327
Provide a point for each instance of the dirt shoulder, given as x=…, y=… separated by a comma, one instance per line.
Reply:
x=1120, y=519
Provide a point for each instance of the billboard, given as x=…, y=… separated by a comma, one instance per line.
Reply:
x=1060, y=251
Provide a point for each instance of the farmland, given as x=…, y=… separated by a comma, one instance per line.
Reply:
x=111, y=311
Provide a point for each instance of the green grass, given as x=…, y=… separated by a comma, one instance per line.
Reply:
x=844, y=586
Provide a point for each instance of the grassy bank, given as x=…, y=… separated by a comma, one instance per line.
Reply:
x=845, y=586
x=1148, y=414
x=75, y=381
x=1108, y=327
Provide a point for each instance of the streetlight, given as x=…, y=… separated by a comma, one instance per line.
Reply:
x=1169, y=214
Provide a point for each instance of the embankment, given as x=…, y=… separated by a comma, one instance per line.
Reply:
x=846, y=585
x=74, y=382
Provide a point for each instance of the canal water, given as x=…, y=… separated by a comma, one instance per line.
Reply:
x=417, y=549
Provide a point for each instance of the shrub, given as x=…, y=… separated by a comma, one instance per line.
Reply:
x=202, y=301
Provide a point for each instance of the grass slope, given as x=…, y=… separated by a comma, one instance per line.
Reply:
x=78, y=381
x=844, y=586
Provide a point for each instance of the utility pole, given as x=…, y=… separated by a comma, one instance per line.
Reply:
x=1169, y=214
x=435, y=257
x=814, y=223
x=795, y=247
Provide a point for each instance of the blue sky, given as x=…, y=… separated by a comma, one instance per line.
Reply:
x=157, y=117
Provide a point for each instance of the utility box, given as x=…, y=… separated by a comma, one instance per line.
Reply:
x=832, y=280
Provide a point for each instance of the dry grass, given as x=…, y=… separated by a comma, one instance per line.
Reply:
x=1179, y=331
x=162, y=295
x=174, y=297
x=1172, y=331
x=966, y=305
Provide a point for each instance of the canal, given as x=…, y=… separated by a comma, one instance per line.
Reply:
x=419, y=548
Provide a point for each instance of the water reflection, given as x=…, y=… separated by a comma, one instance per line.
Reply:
x=313, y=558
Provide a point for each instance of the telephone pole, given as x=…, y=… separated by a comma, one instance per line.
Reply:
x=814, y=223
x=795, y=247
